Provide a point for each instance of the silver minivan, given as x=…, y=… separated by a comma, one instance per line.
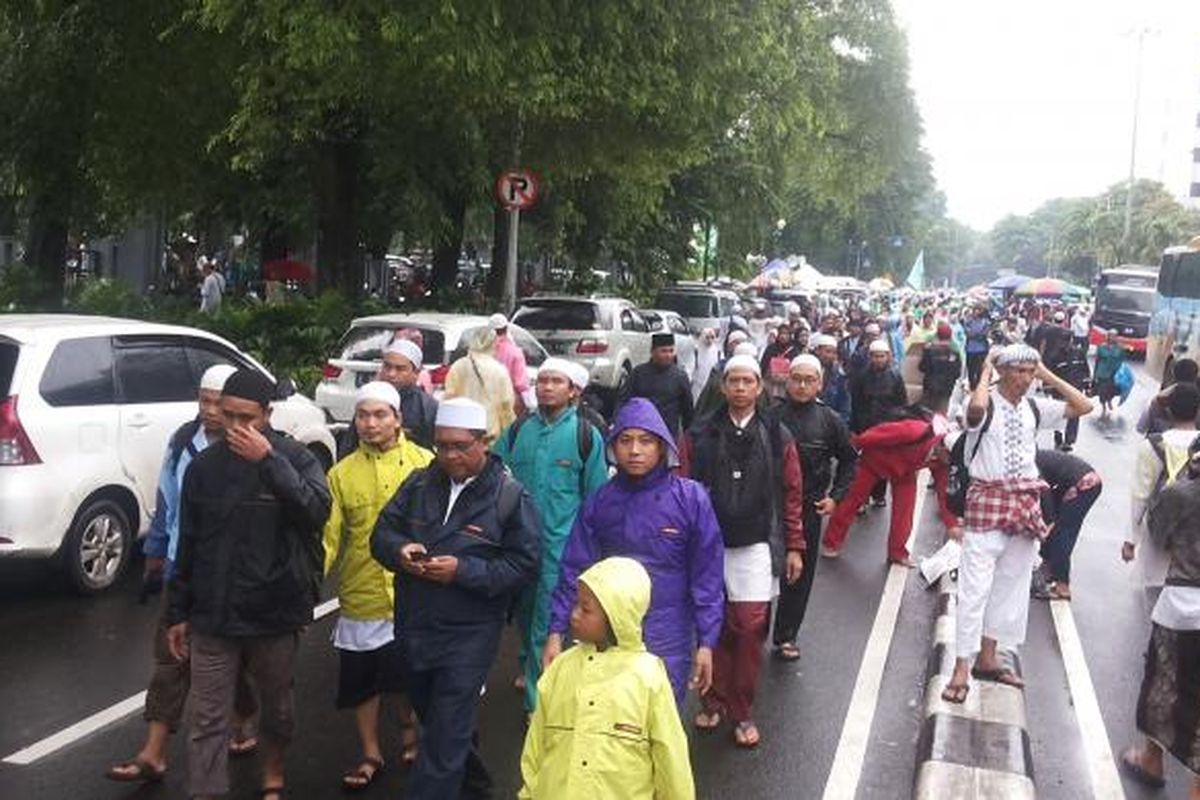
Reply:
x=700, y=306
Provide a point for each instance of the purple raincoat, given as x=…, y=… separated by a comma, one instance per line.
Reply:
x=667, y=524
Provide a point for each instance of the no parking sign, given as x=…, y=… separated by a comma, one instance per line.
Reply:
x=518, y=189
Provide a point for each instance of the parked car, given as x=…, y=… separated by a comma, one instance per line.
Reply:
x=700, y=305
x=605, y=334
x=360, y=353
x=87, y=405
x=662, y=320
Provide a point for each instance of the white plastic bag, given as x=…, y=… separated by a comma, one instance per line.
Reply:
x=943, y=561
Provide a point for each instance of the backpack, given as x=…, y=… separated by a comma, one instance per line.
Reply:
x=959, y=472
x=181, y=440
x=1164, y=478
x=583, y=437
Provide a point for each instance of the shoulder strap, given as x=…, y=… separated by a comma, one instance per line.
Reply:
x=1037, y=413
x=509, y=499
x=182, y=440
x=514, y=429
x=987, y=423
x=583, y=436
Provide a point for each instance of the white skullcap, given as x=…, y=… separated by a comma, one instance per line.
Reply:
x=461, y=412
x=743, y=362
x=215, y=376
x=497, y=322
x=559, y=365
x=381, y=391
x=746, y=349
x=878, y=346
x=578, y=374
x=806, y=360
x=736, y=336
x=1017, y=354
x=410, y=350
x=822, y=340
x=871, y=328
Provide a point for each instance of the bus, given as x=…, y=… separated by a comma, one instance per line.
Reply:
x=1175, y=323
x=1124, y=302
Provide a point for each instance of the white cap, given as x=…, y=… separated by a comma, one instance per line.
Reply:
x=410, y=350
x=822, y=340
x=559, y=365
x=215, y=376
x=871, y=328
x=497, y=322
x=1017, y=354
x=743, y=362
x=461, y=412
x=878, y=346
x=736, y=336
x=579, y=375
x=746, y=349
x=806, y=360
x=381, y=391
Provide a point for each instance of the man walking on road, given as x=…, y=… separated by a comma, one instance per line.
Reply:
x=478, y=376
x=558, y=456
x=1003, y=521
x=169, y=684
x=748, y=463
x=370, y=662
x=664, y=383
x=246, y=579
x=510, y=354
x=941, y=369
x=875, y=391
x=462, y=537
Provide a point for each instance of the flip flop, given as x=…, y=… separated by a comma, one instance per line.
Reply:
x=270, y=790
x=241, y=745
x=787, y=652
x=956, y=694
x=707, y=720
x=1132, y=767
x=745, y=734
x=144, y=772
x=358, y=779
x=1003, y=676
x=411, y=745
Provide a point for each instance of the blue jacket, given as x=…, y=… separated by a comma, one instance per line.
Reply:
x=493, y=531
x=162, y=539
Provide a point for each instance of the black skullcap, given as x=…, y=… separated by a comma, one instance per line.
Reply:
x=1184, y=402
x=662, y=340
x=250, y=384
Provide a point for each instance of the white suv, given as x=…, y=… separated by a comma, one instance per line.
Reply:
x=87, y=405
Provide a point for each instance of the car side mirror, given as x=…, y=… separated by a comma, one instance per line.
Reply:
x=285, y=388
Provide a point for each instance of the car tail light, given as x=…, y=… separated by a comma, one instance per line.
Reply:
x=591, y=347
x=331, y=373
x=437, y=375
x=15, y=447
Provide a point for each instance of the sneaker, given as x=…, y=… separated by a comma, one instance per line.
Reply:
x=829, y=552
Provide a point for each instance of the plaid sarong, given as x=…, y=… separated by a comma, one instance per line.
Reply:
x=1011, y=505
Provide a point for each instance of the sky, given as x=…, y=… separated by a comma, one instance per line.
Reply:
x=1027, y=100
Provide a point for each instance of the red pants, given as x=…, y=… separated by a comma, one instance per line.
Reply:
x=904, y=502
x=738, y=659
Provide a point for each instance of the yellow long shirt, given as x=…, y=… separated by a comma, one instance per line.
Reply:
x=361, y=484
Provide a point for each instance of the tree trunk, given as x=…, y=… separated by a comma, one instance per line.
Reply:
x=495, y=279
x=339, y=258
x=46, y=252
x=447, y=241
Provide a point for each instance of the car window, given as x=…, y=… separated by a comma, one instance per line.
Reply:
x=557, y=315
x=366, y=343
x=676, y=325
x=534, y=354
x=728, y=306
x=1187, y=276
x=688, y=304
x=8, y=364
x=632, y=321
x=80, y=373
x=153, y=370
x=202, y=354
x=655, y=321
x=1166, y=276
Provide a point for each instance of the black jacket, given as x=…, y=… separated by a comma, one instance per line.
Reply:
x=940, y=367
x=495, y=533
x=418, y=412
x=873, y=393
x=250, y=557
x=821, y=438
x=668, y=388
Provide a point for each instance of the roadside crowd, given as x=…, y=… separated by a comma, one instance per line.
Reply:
x=643, y=555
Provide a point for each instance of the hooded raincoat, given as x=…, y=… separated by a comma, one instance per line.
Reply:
x=666, y=523
x=607, y=726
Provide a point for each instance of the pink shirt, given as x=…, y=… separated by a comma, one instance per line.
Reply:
x=513, y=359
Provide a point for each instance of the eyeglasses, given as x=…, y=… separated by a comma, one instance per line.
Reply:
x=454, y=448
x=804, y=380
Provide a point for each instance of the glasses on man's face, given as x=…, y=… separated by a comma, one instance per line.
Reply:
x=804, y=380
x=454, y=448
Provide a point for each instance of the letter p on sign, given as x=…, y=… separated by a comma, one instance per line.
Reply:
x=517, y=188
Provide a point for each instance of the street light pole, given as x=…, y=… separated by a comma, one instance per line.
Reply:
x=1137, y=99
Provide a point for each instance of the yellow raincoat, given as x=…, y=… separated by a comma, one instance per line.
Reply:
x=361, y=485
x=606, y=725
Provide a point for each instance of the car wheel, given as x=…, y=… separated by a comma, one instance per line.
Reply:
x=96, y=550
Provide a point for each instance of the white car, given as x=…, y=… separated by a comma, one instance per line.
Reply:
x=87, y=405
x=605, y=334
x=662, y=320
x=360, y=354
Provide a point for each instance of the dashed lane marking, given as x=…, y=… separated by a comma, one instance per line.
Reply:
x=1102, y=769
x=113, y=714
x=846, y=771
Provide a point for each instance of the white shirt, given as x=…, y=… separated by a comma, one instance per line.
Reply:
x=1152, y=559
x=1178, y=608
x=362, y=635
x=455, y=490
x=1009, y=447
x=1080, y=325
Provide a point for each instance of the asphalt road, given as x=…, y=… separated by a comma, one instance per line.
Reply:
x=63, y=658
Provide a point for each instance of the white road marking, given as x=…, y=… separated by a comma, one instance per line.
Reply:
x=1106, y=781
x=112, y=714
x=846, y=771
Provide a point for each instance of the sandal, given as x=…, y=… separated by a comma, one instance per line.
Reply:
x=267, y=791
x=708, y=720
x=410, y=743
x=1131, y=765
x=787, y=651
x=142, y=772
x=242, y=745
x=745, y=734
x=1003, y=675
x=956, y=693
x=358, y=779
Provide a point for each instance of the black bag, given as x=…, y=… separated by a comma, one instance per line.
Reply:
x=959, y=473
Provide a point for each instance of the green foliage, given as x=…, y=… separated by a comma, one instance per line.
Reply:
x=21, y=289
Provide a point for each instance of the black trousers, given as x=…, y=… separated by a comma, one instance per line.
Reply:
x=446, y=700
x=793, y=598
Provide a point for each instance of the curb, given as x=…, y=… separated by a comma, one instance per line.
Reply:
x=979, y=749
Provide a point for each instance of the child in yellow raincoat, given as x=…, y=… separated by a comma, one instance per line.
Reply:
x=606, y=725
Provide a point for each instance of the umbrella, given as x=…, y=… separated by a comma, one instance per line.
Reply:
x=1009, y=282
x=286, y=269
x=1047, y=287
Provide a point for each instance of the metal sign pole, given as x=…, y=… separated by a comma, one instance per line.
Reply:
x=510, y=276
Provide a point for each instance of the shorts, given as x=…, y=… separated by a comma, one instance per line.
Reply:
x=367, y=673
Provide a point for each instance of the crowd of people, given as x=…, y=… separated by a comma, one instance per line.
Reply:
x=643, y=555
